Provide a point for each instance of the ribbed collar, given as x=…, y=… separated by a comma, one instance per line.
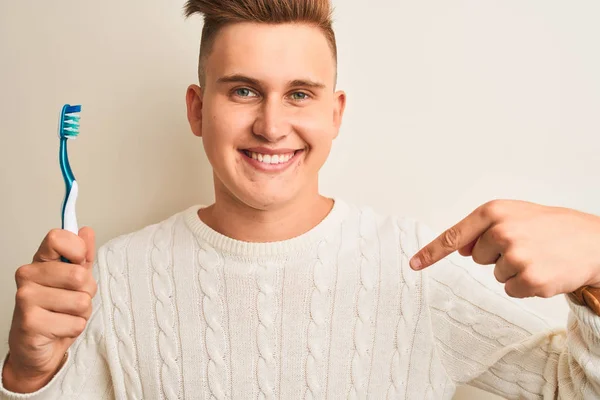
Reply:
x=225, y=244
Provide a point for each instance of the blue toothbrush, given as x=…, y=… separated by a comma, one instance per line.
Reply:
x=68, y=129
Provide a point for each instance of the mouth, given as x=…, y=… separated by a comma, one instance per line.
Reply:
x=271, y=160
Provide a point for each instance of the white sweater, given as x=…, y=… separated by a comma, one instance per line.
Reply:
x=184, y=312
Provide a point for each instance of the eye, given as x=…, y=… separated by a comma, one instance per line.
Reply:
x=244, y=92
x=300, y=96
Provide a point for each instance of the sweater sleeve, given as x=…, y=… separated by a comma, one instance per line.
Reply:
x=85, y=374
x=492, y=341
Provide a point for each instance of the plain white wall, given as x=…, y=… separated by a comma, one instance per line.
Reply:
x=450, y=104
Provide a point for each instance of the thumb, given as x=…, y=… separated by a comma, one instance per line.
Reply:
x=467, y=250
x=89, y=237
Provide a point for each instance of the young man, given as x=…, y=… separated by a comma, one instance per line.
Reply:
x=275, y=291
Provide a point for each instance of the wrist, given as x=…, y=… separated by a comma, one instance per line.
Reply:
x=19, y=380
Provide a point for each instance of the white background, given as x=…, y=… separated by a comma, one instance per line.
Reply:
x=450, y=104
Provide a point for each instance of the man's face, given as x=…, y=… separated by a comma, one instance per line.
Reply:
x=268, y=111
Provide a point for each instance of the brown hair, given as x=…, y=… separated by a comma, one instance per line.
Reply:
x=218, y=13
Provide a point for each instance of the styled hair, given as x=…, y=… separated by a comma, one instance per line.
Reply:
x=219, y=13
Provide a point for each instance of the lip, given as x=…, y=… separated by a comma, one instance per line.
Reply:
x=271, y=167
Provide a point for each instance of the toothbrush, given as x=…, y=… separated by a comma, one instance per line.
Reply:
x=68, y=129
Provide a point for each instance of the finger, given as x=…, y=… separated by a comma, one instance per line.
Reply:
x=51, y=324
x=61, y=301
x=517, y=287
x=486, y=251
x=59, y=242
x=460, y=235
x=89, y=237
x=78, y=304
x=58, y=275
x=503, y=271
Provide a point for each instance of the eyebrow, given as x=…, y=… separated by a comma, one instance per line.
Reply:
x=238, y=78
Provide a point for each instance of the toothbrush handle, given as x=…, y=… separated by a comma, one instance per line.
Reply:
x=69, y=216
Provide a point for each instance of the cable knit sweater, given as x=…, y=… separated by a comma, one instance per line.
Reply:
x=183, y=312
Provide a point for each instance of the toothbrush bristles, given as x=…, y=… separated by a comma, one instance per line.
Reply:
x=70, y=125
x=70, y=121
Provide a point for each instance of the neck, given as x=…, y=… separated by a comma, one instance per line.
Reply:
x=231, y=217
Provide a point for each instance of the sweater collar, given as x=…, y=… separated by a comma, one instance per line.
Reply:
x=324, y=229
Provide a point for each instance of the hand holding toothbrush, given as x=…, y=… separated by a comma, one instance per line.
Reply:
x=54, y=292
x=53, y=304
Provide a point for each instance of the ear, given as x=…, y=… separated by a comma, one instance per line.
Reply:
x=193, y=99
x=339, y=100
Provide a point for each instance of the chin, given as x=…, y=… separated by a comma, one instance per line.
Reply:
x=266, y=202
x=266, y=199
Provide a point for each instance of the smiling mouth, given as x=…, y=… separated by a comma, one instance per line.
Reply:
x=271, y=159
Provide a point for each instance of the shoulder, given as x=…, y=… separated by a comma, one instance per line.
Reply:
x=142, y=240
x=407, y=232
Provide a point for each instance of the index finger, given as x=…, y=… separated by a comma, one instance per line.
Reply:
x=466, y=231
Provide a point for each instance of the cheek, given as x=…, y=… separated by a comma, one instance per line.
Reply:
x=317, y=131
x=224, y=126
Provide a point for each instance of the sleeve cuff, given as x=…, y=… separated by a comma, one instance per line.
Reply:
x=37, y=395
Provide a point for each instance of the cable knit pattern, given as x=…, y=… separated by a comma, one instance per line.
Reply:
x=365, y=309
x=123, y=328
x=164, y=310
x=429, y=389
x=323, y=279
x=337, y=313
x=502, y=332
x=266, y=334
x=210, y=263
x=79, y=365
x=403, y=336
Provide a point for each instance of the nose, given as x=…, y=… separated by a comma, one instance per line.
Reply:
x=271, y=122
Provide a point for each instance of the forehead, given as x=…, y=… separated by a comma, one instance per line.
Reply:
x=272, y=53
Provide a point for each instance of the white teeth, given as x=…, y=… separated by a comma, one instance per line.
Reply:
x=271, y=159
